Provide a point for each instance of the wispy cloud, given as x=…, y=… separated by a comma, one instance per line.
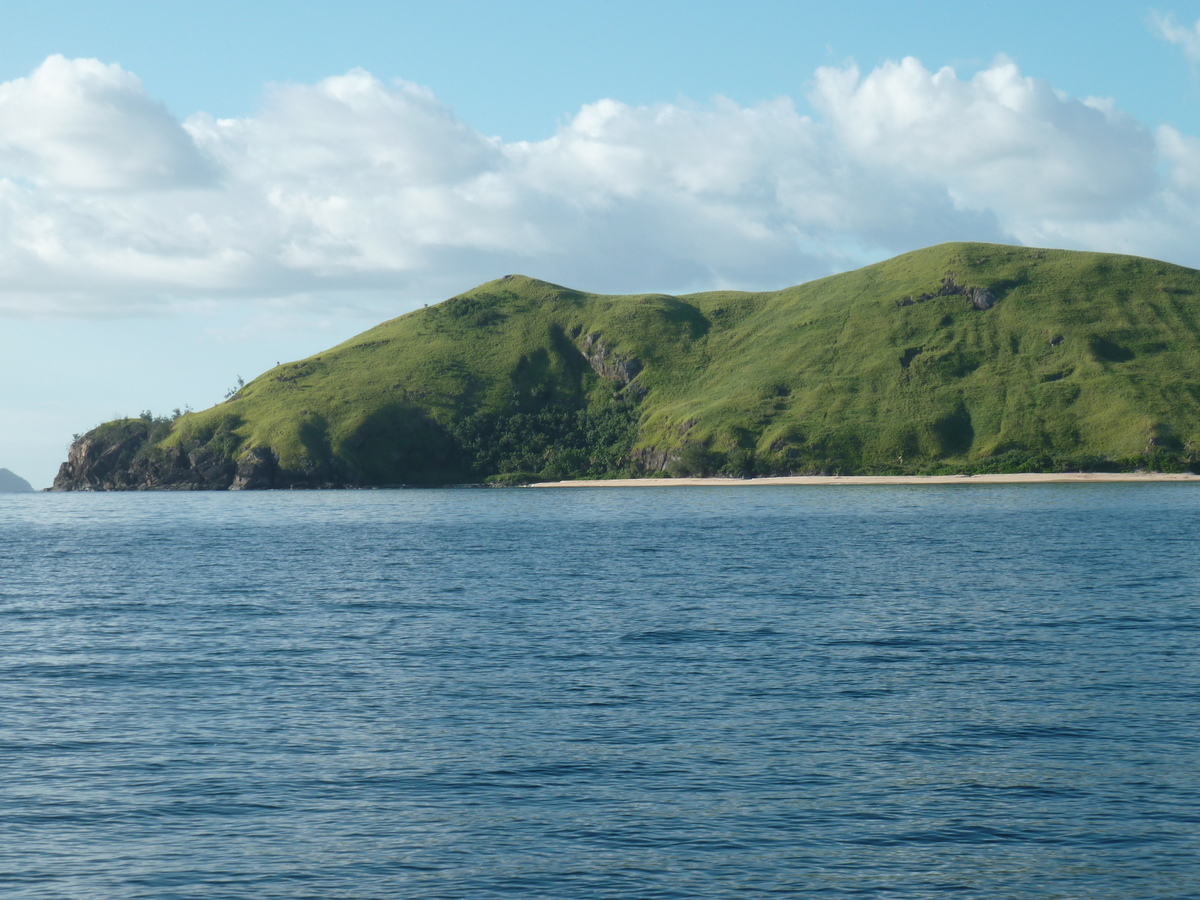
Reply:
x=1167, y=27
x=352, y=192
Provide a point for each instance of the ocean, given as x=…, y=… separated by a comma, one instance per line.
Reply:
x=968, y=691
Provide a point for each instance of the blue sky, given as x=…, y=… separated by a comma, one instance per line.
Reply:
x=189, y=193
x=516, y=69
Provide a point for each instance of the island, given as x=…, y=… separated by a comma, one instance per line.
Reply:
x=11, y=483
x=958, y=359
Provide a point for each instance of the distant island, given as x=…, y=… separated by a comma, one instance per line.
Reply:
x=961, y=358
x=11, y=483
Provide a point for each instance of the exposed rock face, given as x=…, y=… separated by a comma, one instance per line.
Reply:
x=114, y=459
x=257, y=470
x=11, y=483
x=981, y=298
x=124, y=459
x=651, y=459
x=606, y=364
x=99, y=462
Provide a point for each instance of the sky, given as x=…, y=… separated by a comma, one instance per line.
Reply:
x=191, y=193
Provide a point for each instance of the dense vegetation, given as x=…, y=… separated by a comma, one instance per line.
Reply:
x=960, y=357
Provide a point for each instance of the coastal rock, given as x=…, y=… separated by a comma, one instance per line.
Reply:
x=123, y=458
x=98, y=461
x=119, y=457
x=256, y=470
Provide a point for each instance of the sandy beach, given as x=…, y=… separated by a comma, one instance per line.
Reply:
x=1021, y=478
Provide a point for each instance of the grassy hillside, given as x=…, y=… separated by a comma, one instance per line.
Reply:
x=965, y=357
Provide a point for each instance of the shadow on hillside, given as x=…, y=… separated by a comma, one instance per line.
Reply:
x=682, y=313
x=402, y=444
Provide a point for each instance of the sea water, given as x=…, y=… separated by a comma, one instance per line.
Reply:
x=915, y=691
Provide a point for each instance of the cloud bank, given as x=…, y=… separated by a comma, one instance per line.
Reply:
x=353, y=192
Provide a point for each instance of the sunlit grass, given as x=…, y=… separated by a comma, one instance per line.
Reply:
x=1082, y=358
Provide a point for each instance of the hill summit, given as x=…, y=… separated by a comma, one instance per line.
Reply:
x=11, y=483
x=962, y=357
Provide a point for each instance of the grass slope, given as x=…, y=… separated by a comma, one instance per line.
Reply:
x=1083, y=359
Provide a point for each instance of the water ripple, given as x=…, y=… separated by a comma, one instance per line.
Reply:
x=869, y=692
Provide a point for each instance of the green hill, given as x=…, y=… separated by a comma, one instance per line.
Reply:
x=959, y=357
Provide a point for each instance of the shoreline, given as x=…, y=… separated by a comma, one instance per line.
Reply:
x=1014, y=478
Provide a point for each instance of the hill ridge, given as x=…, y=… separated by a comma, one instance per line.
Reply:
x=12, y=483
x=963, y=356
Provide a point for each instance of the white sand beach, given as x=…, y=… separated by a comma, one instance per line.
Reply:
x=1020, y=478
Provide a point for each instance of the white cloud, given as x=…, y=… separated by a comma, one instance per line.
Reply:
x=1169, y=29
x=83, y=125
x=999, y=141
x=353, y=192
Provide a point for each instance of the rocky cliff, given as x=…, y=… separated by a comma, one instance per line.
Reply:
x=126, y=455
x=119, y=456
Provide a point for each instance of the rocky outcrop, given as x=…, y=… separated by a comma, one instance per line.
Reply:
x=981, y=298
x=120, y=457
x=651, y=459
x=257, y=470
x=100, y=460
x=128, y=455
x=607, y=364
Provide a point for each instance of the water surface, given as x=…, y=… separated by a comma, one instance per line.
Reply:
x=918, y=691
